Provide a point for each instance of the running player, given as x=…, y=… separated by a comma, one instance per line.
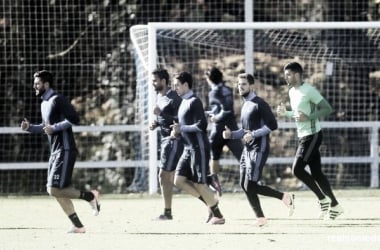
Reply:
x=58, y=115
x=308, y=106
x=221, y=114
x=258, y=122
x=166, y=110
x=192, y=169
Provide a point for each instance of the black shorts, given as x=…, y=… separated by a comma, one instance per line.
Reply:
x=308, y=147
x=60, y=171
x=194, y=165
x=252, y=163
x=171, y=150
x=217, y=142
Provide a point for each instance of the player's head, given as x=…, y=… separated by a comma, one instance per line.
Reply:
x=43, y=80
x=293, y=73
x=160, y=79
x=214, y=75
x=250, y=79
x=295, y=67
x=183, y=82
x=245, y=82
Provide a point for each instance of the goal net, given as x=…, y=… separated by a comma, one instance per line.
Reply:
x=337, y=57
x=83, y=46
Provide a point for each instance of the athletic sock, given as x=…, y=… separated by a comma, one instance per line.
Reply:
x=75, y=220
x=87, y=196
x=333, y=203
x=168, y=212
x=215, y=211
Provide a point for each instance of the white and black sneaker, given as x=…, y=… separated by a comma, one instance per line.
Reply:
x=335, y=211
x=324, y=205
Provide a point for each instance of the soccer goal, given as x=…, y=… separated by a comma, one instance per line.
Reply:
x=338, y=58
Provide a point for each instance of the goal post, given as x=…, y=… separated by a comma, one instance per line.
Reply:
x=192, y=45
x=152, y=64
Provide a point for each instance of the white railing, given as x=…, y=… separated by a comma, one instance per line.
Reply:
x=372, y=158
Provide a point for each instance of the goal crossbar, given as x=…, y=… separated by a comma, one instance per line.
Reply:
x=263, y=25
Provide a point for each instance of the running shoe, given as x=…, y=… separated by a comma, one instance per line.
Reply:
x=261, y=221
x=217, y=221
x=335, y=211
x=76, y=230
x=324, y=205
x=288, y=200
x=165, y=217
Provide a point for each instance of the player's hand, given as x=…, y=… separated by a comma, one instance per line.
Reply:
x=226, y=133
x=175, y=130
x=156, y=110
x=281, y=109
x=248, y=138
x=48, y=129
x=301, y=117
x=25, y=124
x=212, y=118
x=153, y=126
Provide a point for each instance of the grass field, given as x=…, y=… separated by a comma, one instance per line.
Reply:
x=126, y=222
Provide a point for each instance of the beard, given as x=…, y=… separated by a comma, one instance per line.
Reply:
x=244, y=94
x=40, y=92
x=158, y=88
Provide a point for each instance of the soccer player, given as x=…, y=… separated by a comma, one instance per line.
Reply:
x=307, y=107
x=58, y=115
x=257, y=122
x=166, y=110
x=192, y=169
x=221, y=103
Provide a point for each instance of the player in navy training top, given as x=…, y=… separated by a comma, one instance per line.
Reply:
x=58, y=115
x=193, y=168
x=257, y=122
x=171, y=149
x=221, y=114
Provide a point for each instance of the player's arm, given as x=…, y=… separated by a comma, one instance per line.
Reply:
x=32, y=128
x=198, y=113
x=323, y=109
x=173, y=115
x=153, y=125
x=237, y=134
x=229, y=134
x=268, y=116
x=68, y=111
x=227, y=106
x=214, y=104
x=281, y=111
x=270, y=122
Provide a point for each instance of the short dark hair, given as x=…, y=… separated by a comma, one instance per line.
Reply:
x=295, y=67
x=185, y=77
x=45, y=76
x=249, y=77
x=162, y=74
x=215, y=75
